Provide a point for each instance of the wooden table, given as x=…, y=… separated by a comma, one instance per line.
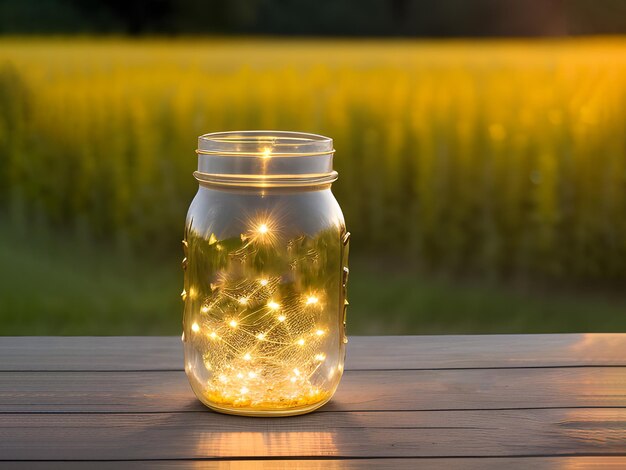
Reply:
x=453, y=402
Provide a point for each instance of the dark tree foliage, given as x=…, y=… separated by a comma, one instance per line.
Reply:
x=427, y=18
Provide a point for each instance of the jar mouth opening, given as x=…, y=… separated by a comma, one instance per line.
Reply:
x=264, y=142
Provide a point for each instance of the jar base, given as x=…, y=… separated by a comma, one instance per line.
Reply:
x=266, y=412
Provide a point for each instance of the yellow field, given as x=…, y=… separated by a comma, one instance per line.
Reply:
x=490, y=157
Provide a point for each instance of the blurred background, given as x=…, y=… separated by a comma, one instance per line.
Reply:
x=481, y=148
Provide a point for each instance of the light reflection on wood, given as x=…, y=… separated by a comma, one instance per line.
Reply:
x=266, y=442
x=602, y=429
x=600, y=347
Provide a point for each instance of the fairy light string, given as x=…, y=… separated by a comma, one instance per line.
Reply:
x=265, y=332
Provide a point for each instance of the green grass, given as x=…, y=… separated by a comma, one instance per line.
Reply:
x=53, y=286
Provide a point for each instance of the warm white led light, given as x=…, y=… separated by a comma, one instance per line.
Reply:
x=263, y=229
x=195, y=328
x=281, y=318
x=273, y=305
x=233, y=323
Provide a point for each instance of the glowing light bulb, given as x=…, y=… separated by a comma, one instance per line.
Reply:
x=252, y=375
x=281, y=318
x=263, y=229
x=213, y=335
x=300, y=342
x=319, y=332
x=244, y=390
x=263, y=282
x=243, y=300
x=261, y=336
x=195, y=328
x=267, y=152
x=296, y=371
x=247, y=357
x=273, y=305
x=204, y=309
x=240, y=375
x=310, y=300
x=233, y=323
x=293, y=380
x=320, y=357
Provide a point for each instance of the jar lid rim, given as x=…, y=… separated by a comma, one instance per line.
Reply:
x=256, y=143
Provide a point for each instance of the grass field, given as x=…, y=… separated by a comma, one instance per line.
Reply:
x=502, y=162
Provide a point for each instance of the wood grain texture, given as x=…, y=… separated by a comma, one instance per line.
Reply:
x=544, y=401
x=364, y=353
x=536, y=463
x=373, y=434
x=467, y=389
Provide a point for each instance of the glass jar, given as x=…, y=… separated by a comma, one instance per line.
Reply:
x=265, y=265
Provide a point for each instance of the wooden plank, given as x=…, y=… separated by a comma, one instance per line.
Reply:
x=169, y=391
x=31, y=353
x=349, y=435
x=364, y=353
x=476, y=463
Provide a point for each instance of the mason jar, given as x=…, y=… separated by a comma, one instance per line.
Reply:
x=265, y=273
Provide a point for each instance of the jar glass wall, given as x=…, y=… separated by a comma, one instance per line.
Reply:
x=265, y=274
